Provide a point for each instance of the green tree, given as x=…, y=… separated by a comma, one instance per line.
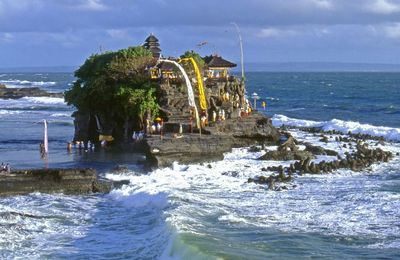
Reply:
x=198, y=59
x=117, y=84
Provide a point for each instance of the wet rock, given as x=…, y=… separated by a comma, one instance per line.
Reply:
x=16, y=93
x=286, y=155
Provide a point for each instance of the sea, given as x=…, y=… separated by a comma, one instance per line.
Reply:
x=209, y=210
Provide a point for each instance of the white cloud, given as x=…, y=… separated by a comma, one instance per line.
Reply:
x=383, y=7
x=272, y=32
x=323, y=4
x=117, y=33
x=92, y=5
x=392, y=31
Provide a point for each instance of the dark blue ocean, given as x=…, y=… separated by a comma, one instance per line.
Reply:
x=201, y=212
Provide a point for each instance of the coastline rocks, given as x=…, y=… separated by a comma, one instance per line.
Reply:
x=16, y=93
x=286, y=155
x=67, y=181
x=362, y=158
x=287, y=151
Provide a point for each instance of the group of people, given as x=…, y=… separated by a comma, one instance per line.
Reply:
x=5, y=168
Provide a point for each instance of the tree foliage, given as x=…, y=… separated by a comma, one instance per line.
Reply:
x=198, y=59
x=116, y=83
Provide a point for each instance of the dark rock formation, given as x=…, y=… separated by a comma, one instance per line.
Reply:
x=211, y=145
x=15, y=93
x=359, y=160
x=67, y=181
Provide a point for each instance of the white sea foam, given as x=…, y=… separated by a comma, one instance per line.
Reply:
x=16, y=83
x=8, y=112
x=44, y=100
x=61, y=115
x=388, y=133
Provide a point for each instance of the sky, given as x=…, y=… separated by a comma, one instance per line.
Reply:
x=66, y=32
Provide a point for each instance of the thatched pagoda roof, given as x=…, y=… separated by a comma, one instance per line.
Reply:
x=215, y=61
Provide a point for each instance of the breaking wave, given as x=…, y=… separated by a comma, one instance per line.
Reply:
x=389, y=133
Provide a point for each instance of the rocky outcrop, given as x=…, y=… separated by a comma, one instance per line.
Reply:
x=287, y=151
x=15, y=93
x=67, y=181
x=212, y=144
x=189, y=148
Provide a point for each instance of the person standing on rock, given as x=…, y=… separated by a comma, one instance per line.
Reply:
x=8, y=168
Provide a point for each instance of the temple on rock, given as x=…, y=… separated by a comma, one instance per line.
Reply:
x=194, y=96
x=223, y=94
x=217, y=67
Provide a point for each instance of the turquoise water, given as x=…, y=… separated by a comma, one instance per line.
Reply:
x=198, y=212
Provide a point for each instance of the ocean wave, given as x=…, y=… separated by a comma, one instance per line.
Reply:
x=26, y=83
x=44, y=100
x=61, y=115
x=9, y=112
x=295, y=109
x=341, y=205
x=389, y=133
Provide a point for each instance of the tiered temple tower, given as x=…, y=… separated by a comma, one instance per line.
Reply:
x=151, y=43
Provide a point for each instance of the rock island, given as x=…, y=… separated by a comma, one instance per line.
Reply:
x=185, y=109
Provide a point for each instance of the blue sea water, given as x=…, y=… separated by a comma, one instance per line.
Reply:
x=198, y=212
